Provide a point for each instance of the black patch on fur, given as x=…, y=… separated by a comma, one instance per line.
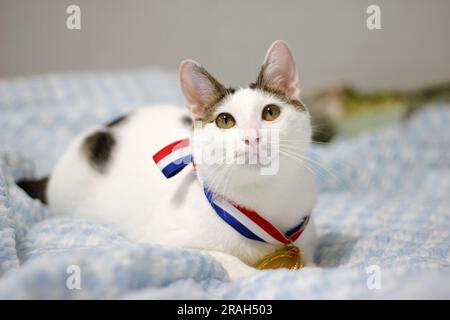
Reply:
x=36, y=189
x=98, y=148
x=117, y=121
x=253, y=85
x=230, y=90
x=186, y=121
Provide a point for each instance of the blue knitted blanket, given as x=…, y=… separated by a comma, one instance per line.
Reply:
x=383, y=214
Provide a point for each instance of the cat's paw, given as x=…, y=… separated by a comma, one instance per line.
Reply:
x=235, y=268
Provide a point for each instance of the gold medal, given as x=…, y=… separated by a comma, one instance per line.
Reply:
x=290, y=257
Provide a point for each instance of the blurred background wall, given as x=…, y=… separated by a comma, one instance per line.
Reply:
x=329, y=38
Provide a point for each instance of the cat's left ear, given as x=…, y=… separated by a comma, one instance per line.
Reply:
x=279, y=70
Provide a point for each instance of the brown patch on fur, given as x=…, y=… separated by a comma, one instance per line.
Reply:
x=97, y=148
x=280, y=94
x=260, y=79
x=36, y=189
x=220, y=93
x=261, y=84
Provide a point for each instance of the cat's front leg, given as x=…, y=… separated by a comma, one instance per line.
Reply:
x=308, y=243
x=235, y=268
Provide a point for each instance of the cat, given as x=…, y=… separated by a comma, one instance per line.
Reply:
x=107, y=175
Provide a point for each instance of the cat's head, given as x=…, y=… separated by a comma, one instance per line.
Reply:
x=239, y=133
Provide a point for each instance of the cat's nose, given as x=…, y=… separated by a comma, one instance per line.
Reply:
x=252, y=141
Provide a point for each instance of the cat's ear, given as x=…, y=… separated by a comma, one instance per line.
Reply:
x=279, y=71
x=199, y=87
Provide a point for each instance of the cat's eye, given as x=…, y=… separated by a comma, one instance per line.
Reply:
x=271, y=112
x=225, y=121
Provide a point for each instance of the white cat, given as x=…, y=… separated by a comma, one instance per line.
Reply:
x=107, y=174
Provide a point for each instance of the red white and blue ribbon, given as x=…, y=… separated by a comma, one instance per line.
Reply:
x=250, y=224
x=173, y=158
x=177, y=155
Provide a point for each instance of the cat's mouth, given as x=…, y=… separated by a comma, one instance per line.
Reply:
x=252, y=158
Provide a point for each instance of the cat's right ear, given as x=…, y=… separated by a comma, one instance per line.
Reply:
x=278, y=70
x=199, y=87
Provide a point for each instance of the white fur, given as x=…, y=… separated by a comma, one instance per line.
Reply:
x=135, y=198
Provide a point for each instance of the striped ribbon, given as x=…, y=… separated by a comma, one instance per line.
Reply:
x=177, y=155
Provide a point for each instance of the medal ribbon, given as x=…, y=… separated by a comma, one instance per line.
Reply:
x=177, y=155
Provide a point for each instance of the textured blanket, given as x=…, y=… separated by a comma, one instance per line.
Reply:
x=383, y=214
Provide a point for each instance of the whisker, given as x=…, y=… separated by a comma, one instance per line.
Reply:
x=298, y=161
x=317, y=165
x=307, y=141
